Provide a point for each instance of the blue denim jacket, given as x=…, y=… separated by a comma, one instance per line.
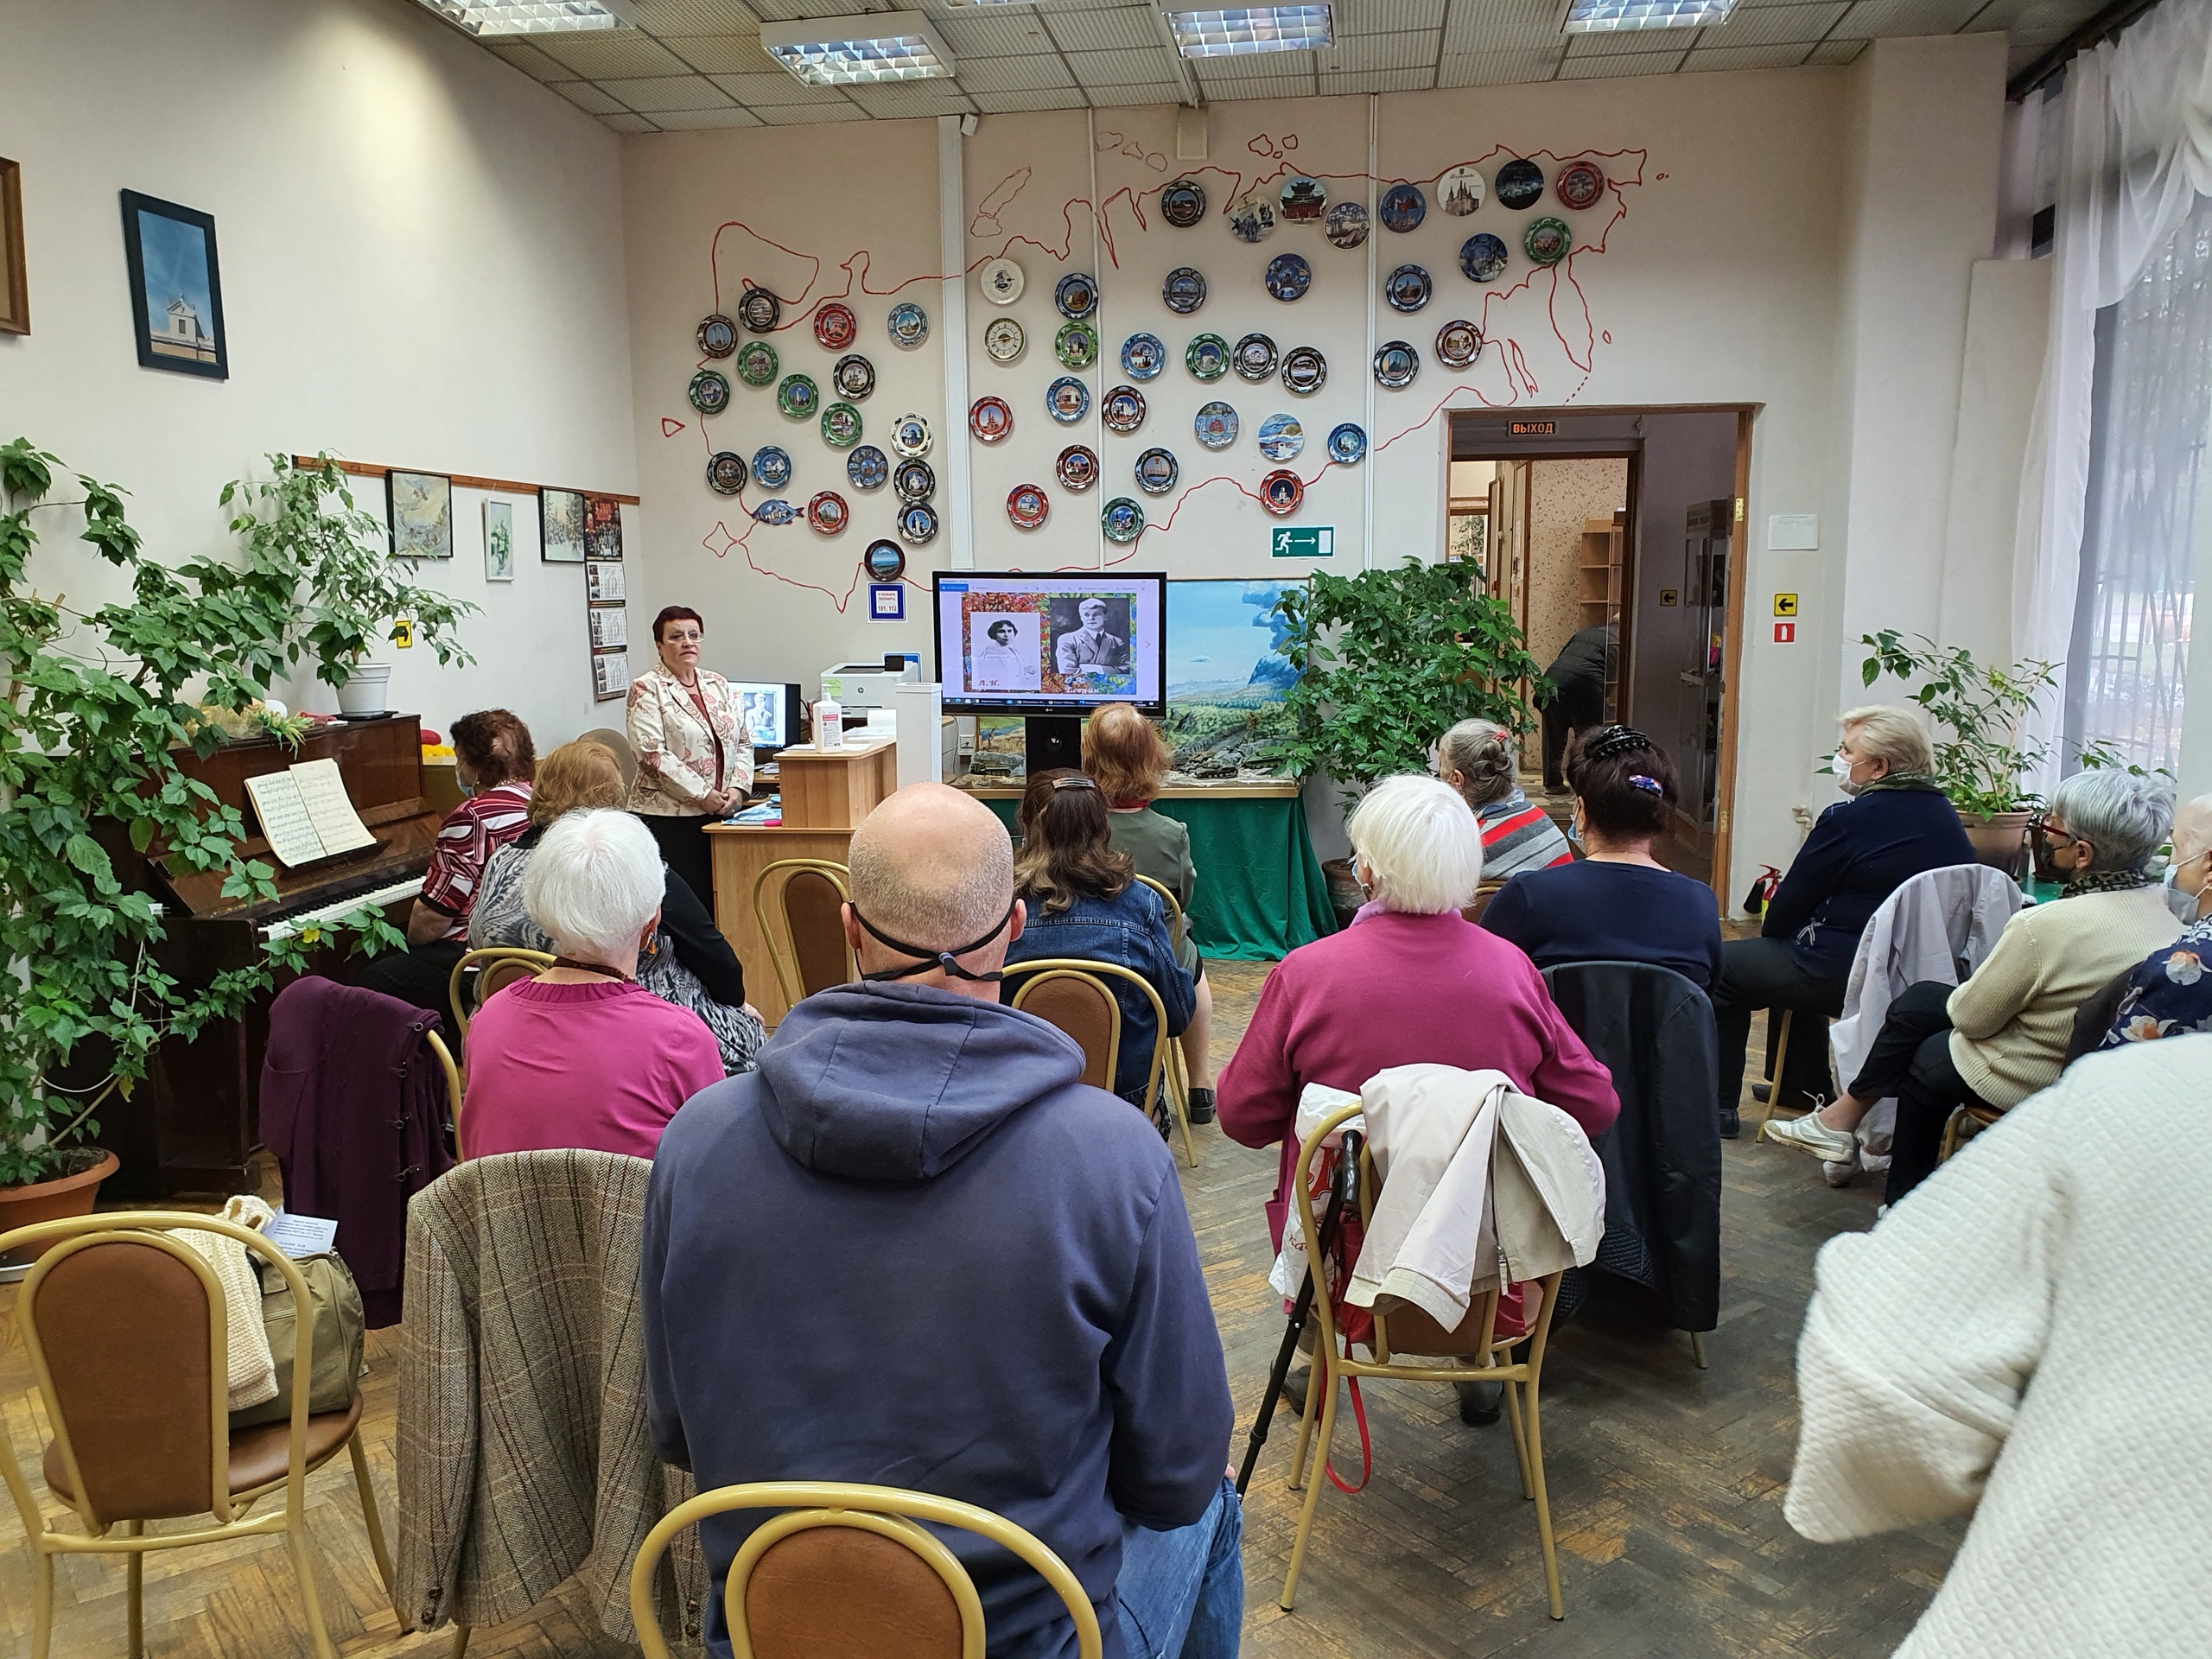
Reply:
x=1129, y=929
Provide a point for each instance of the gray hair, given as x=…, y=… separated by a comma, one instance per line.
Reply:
x=1482, y=753
x=2125, y=818
x=594, y=883
x=931, y=867
x=1889, y=732
x=1422, y=846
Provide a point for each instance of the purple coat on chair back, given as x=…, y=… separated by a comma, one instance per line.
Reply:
x=354, y=1105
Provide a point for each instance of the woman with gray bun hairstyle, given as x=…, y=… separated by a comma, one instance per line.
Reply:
x=1476, y=759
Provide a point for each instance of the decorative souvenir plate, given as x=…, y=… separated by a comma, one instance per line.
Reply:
x=1519, y=184
x=1143, y=356
x=909, y=326
x=835, y=326
x=1028, y=506
x=828, y=513
x=709, y=391
x=1067, y=400
x=1407, y=289
x=798, y=397
x=1003, y=340
x=1483, y=258
x=991, y=420
x=1281, y=437
x=884, y=561
x=854, y=376
x=1215, y=425
x=1122, y=409
x=1547, y=240
x=1076, y=295
x=1157, y=472
x=1346, y=224
x=1252, y=218
x=756, y=364
x=1281, y=493
x=1123, y=520
x=1288, y=276
x=1206, y=357
x=1077, y=468
x=1183, y=203
x=1184, y=291
x=774, y=512
x=918, y=524
x=1305, y=370
x=910, y=436
x=759, y=310
x=1003, y=282
x=915, y=481
x=1347, y=445
x=1402, y=208
x=1075, y=346
x=717, y=336
x=772, y=466
x=1458, y=343
x=1459, y=192
x=1397, y=363
x=867, y=468
x=840, y=426
x=1578, y=185
x=1255, y=358
x=726, y=472
x=1303, y=199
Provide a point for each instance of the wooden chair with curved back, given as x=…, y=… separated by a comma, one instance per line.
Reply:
x=1964, y=1123
x=142, y=1426
x=1484, y=895
x=453, y=1089
x=1074, y=995
x=617, y=743
x=843, y=1565
x=1178, y=1071
x=796, y=904
x=496, y=967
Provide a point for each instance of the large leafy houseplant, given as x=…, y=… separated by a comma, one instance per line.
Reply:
x=1392, y=658
x=1982, y=762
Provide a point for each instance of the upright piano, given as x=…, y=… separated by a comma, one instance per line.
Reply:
x=192, y=1123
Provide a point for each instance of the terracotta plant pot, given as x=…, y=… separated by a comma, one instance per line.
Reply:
x=2000, y=840
x=1344, y=896
x=50, y=1200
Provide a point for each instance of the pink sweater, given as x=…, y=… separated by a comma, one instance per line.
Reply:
x=602, y=1066
x=1394, y=989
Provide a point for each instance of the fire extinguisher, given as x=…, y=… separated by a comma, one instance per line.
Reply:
x=1763, y=888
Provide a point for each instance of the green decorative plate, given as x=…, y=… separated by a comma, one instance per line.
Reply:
x=710, y=392
x=840, y=426
x=1123, y=520
x=1075, y=344
x=1207, y=357
x=798, y=397
x=1547, y=240
x=756, y=363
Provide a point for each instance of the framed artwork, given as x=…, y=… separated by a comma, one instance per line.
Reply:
x=176, y=289
x=561, y=526
x=1227, y=674
x=603, y=583
x=15, y=276
x=421, y=506
x=498, y=541
x=610, y=676
x=610, y=626
x=602, y=527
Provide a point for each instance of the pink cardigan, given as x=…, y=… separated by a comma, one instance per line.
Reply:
x=1394, y=989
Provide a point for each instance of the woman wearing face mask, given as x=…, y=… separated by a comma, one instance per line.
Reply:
x=695, y=755
x=1895, y=823
x=2169, y=994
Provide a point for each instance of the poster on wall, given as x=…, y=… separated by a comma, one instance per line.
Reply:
x=560, y=526
x=1227, y=676
x=421, y=506
x=610, y=626
x=498, y=541
x=176, y=289
x=603, y=582
x=603, y=528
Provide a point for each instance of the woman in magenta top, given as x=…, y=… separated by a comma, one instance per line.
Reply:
x=583, y=1055
x=1410, y=982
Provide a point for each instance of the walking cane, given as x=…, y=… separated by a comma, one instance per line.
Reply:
x=1343, y=1188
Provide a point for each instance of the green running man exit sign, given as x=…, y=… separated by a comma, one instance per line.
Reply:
x=1304, y=542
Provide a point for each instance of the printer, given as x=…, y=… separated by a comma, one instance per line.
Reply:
x=860, y=687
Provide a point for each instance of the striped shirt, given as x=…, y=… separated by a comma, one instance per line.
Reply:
x=1517, y=836
x=472, y=832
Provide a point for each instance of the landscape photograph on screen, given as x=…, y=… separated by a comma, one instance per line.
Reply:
x=1227, y=676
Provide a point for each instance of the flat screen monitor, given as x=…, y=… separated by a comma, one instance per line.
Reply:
x=1050, y=643
x=771, y=711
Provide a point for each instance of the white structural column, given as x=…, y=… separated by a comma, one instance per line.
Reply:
x=952, y=339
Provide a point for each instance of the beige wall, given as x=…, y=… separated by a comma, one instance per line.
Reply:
x=1562, y=496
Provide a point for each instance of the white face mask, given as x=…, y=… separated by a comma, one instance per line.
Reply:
x=1843, y=780
x=2190, y=906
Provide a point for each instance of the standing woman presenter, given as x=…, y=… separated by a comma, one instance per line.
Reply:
x=695, y=755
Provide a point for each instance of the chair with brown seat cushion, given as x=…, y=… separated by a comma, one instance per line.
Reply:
x=1068, y=992
x=141, y=1428
x=846, y=1570
x=798, y=905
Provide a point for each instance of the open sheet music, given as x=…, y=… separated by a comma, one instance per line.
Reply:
x=306, y=813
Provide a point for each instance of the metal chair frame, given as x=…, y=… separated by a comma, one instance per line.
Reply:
x=783, y=951
x=488, y=962
x=1178, y=1075
x=1041, y=970
x=65, y=1238
x=885, y=1511
x=1963, y=1124
x=453, y=1088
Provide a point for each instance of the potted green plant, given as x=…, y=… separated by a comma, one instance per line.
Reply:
x=1982, y=762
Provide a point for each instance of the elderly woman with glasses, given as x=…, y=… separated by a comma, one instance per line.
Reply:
x=2002, y=1035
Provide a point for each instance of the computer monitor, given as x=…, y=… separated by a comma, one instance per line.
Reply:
x=771, y=711
x=1051, y=644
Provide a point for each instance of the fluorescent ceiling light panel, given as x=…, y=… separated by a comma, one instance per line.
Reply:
x=1246, y=31
x=489, y=17
x=1601, y=16
x=877, y=46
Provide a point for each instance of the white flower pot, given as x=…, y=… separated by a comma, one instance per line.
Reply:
x=365, y=692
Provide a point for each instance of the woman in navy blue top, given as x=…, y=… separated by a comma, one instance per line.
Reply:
x=1620, y=904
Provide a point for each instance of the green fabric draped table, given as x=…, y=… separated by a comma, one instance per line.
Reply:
x=1259, y=893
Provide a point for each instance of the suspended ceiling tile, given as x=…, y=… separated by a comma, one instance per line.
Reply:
x=1876, y=19
x=1006, y=31
x=1051, y=98
x=1408, y=50
x=1121, y=68
x=1386, y=16
x=1706, y=59
x=1379, y=80
x=1637, y=63
x=2065, y=16
x=1126, y=98
x=628, y=123
x=528, y=58
x=1125, y=29
x=1501, y=25
x=586, y=95
x=668, y=93
x=1497, y=68
x=808, y=115
x=701, y=120
x=1629, y=42
x=898, y=100
x=1776, y=26
x=722, y=55
x=754, y=91
x=780, y=12
x=2039, y=37
x=1015, y=74
x=622, y=52
x=1835, y=54
x=1242, y=89
x=691, y=16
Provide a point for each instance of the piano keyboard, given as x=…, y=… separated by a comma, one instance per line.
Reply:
x=291, y=924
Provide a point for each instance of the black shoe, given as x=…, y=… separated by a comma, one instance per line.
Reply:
x=1762, y=1092
x=1481, y=1404
x=1294, y=1391
x=1731, y=1124
x=1201, y=1105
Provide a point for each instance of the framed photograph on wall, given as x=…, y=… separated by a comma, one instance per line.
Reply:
x=498, y=541
x=561, y=526
x=15, y=263
x=602, y=527
x=421, y=506
x=176, y=287
x=603, y=583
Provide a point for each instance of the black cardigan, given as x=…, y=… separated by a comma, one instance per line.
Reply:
x=1860, y=852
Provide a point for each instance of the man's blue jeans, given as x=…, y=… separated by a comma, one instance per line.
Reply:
x=1182, y=1592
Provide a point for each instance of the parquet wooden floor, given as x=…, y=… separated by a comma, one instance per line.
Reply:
x=1666, y=1484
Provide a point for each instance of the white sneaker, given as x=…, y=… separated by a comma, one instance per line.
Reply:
x=1808, y=1133
x=1838, y=1173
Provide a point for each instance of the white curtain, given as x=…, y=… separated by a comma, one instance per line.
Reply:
x=2135, y=150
